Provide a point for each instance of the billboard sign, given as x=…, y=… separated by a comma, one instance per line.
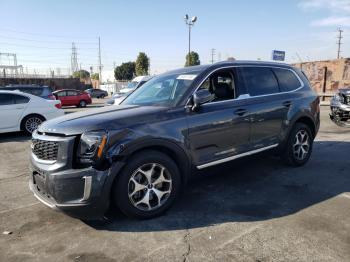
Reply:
x=278, y=55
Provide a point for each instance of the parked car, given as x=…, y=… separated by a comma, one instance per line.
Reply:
x=117, y=98
x=22, y=111
x=98, y=93
x=41, y=91
x=139, y=155
x=340, y=107
x=70, y=97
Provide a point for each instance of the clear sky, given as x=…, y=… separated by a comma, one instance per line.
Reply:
x=41, y=32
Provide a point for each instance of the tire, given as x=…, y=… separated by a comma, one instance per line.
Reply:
x=82, y=103
x=144, y=202
x=31, y=122
x=102, y=96
x=299, y=145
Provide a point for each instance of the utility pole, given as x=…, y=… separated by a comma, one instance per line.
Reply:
x=212, y=55
x=339, y=43
x=99, y=61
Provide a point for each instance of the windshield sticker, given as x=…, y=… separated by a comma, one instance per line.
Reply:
x=186, y=77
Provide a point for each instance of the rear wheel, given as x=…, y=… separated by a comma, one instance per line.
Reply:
x=82, y=103
x=30, y=123
x=299, y=145
x=148, y=185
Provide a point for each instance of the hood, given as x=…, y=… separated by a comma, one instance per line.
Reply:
x=344, y=91
x=107, y=118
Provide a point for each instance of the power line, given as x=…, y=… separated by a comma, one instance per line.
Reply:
x=46, y=41
x=339, y=43
x=41, y=47
x=46, y=35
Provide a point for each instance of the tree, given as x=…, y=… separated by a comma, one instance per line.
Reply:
x=125, y=71
x=82, y=74
x=231, y=58
x=142, y=64
x=194, y=59
x=95, y=76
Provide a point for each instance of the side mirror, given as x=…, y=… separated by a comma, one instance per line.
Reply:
x=200, y=97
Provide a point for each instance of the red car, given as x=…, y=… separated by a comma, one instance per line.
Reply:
x=70, y=97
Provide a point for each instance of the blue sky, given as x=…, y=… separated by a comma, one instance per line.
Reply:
x=41, y=32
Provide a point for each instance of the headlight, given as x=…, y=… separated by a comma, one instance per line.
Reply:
x=338, y=98
x=91, y=147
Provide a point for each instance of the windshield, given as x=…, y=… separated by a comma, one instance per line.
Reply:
x=164, y=90
x=132, y=84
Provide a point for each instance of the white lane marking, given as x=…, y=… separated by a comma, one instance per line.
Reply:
x=20, y=207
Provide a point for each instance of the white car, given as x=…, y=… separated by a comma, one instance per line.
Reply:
x=122, y=93
x=22, y=111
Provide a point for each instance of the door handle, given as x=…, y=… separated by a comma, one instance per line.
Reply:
x=240, y=112
x=287, y=103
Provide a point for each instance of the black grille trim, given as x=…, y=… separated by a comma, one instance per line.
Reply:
x=45, y=150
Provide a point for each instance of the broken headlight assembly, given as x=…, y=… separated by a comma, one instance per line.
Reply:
x=91, y=148
x=338, y=98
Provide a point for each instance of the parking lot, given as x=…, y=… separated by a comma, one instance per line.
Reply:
x=254, y=209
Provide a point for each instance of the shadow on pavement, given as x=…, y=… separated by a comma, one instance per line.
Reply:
x=14, y=137
x=251, y=189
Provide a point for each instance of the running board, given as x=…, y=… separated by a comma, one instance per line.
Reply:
x=216, y=162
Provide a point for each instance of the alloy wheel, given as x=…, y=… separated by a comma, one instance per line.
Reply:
x=301, y=146
x=149, y=187
x=32, y=124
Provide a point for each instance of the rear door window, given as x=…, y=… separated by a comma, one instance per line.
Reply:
x=21, y=99
x=286, y=79
x=259, y=80
x=72, y=93
x=6, y=99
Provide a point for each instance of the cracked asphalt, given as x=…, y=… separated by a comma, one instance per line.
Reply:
x=254, y=209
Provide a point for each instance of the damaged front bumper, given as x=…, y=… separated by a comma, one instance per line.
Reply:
x=340, y=112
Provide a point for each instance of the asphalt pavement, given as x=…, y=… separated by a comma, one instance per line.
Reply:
x=254, y=209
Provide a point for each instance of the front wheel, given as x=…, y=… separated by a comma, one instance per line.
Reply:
x=148, y=185
x=299, y=145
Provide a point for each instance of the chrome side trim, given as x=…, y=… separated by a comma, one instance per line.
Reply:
x=87, y=187
x=236, y=156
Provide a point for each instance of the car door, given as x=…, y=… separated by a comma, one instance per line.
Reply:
x=62, y=96
x=266, y=104
x=72, y=97
x=219, y=129
x=11, y=110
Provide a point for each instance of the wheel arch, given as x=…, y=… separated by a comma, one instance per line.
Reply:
x=307, y=121
x=29, y=115
x=169, y=148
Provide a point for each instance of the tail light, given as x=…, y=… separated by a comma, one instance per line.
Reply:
x=58, y=105
x=52, y=97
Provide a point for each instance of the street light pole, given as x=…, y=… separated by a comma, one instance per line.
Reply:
x=190, y=23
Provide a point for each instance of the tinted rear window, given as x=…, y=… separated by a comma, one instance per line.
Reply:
x=259, y=80
x=9, y=99
x=286, y=79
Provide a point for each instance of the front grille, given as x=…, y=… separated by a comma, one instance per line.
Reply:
x=45, y=150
